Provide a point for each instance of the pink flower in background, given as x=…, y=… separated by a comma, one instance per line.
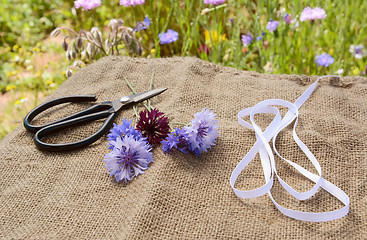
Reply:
x=87, y=4
x=287, y=18
x=312, y=14
x=128, y=3
x=215, y=2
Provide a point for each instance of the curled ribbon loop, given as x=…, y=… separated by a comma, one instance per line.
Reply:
x=262, y=147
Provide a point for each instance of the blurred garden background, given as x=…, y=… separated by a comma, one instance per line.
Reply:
x=277, y=37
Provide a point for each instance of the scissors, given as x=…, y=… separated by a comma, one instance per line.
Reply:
x=106, y=110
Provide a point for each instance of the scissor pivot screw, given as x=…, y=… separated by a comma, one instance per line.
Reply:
x=124, y=99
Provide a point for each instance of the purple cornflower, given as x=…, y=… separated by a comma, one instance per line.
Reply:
x=312, y=14
x=87, y=4
x=324, y=60
x=202, y=131
x=177, y=139
x=128, y=158
x=287, y=18
x=358, y=51
x=123, y=130
x=128, y=3
x=272, y=25
x=215, y=2
x=168, y=37
x=247, y=39
x=142, y=25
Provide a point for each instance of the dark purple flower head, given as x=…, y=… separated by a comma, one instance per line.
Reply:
x=168, y=37
x=153, y=125
x=215, y=2
x=204, y=48
x=87, y=4
x=128, y=158
x=142, y=25
x=272, y=25
x=247, y=39
x=128, y=3
x=324, y=60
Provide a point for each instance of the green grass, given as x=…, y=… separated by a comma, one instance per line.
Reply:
x=291, y=49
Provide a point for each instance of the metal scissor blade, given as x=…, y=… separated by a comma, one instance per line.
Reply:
x=137, y=98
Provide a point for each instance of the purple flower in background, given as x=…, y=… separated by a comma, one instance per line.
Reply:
x=358, y=51
x=260, y=37
x=287, y=18
x=122, y=130
x=142, y=25
x=247, y=39
x=128, y=3
x=312, y=14
x=324, y=60
x=215, y=2
x=128, y=158
x=87, y=4
x=168, y=37
x=202, y=131
x=272, y=25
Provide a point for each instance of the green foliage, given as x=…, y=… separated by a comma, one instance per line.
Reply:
x=212, y=33
x=25, y=22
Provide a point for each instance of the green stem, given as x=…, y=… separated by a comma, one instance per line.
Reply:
x=150, y=88
x=133, y=90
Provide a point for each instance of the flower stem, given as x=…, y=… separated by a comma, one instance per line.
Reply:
x=150, y=88
x=133, y=90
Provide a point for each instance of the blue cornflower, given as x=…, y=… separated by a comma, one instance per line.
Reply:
x=128, y=158
x=168, y=37
x=260, y=37
x=324, y=60
x=122, y=130
x=142, y=25
x=177, y=139
x=247, y=39
x=272, y=25
x=202, y=131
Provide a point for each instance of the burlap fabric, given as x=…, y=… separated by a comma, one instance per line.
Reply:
x=47, y=195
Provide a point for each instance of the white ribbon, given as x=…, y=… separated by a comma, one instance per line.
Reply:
x=267, y=159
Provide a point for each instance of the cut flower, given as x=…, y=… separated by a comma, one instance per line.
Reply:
x=153, y=125
x=128, y=158
x=198, y=137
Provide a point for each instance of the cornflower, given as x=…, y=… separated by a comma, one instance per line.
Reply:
x=168, y=37
x=324, y=60
x=272, y=25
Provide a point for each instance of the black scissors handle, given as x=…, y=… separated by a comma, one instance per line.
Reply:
x=97, y=111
